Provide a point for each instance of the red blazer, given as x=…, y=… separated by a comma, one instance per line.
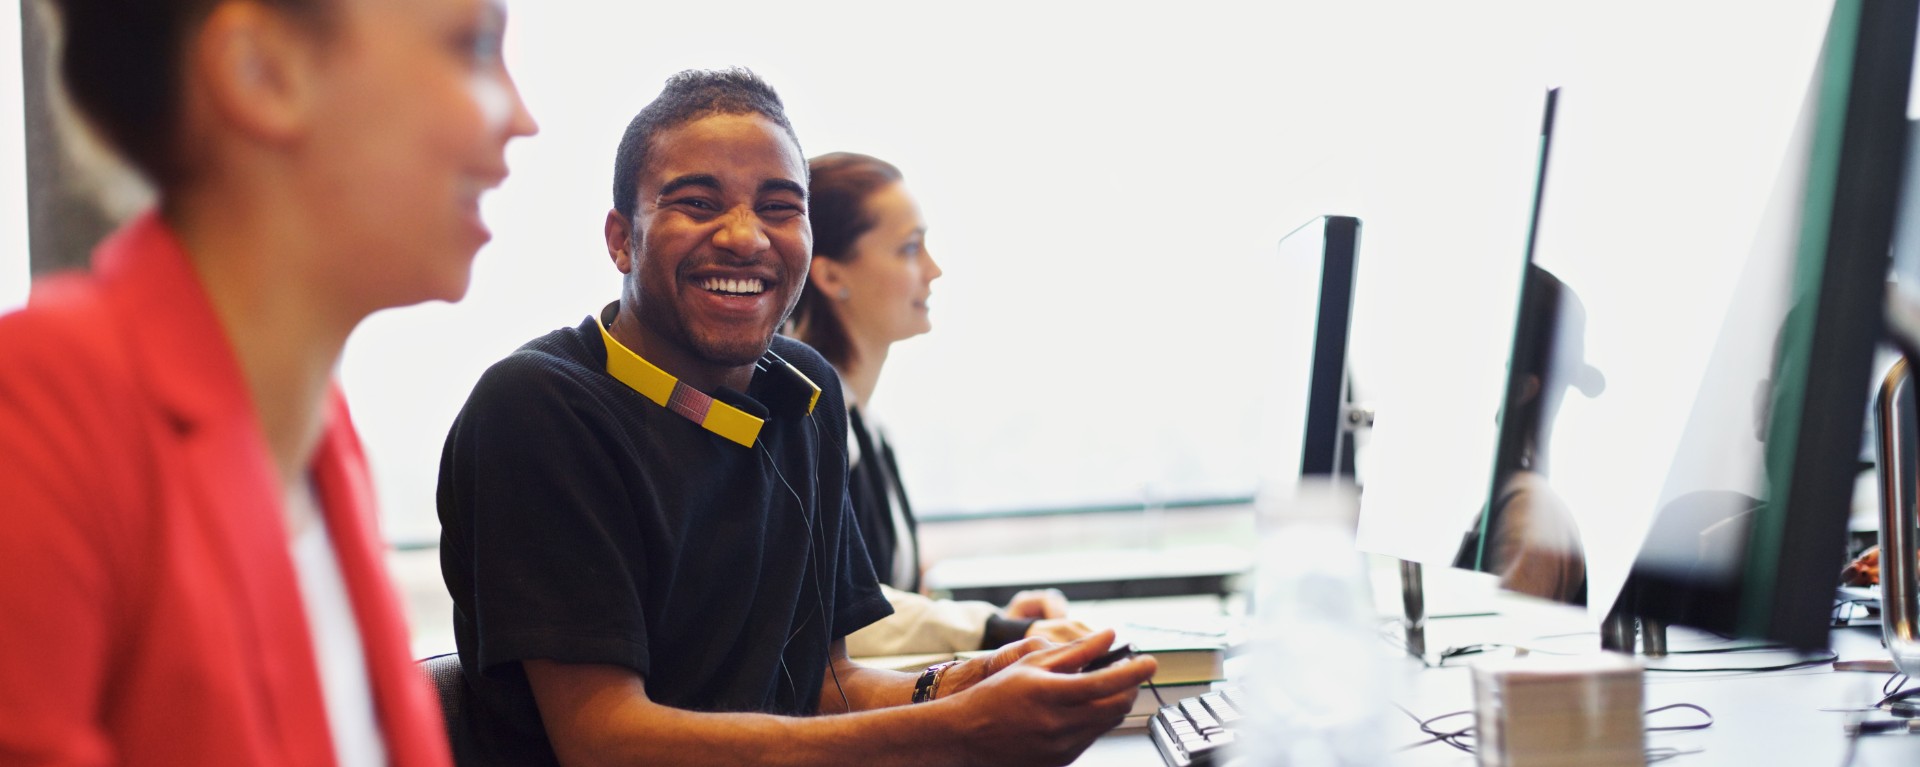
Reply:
x=149, y=610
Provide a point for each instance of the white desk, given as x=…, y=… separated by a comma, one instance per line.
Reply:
x=1094, y=575
x=1771, y=718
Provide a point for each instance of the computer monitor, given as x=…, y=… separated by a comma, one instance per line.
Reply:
x=1524, y=532
x=1897, y=415
x=1749, y=527
x=1433, y=392
x=1303, y=429
x=1326, y=448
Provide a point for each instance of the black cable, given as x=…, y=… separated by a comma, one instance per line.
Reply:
x=1799, y=664
x=1459, y=738
x=1728, y=650
x=1474, y=649
x=1435, y=736
x=1462, y=651
x=1893, y=684
x=1897, y=694
x=1681, y=727
x=820, y=600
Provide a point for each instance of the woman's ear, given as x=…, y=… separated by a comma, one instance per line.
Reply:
x=826, y=276
x=256, y=70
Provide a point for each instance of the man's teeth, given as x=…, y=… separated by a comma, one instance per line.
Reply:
x=746, y=287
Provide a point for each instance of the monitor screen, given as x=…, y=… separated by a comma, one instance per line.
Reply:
x=1431, y=445
x=1326, y=449
x=1302, y=418
x=1525, y=532
x=1722, y=457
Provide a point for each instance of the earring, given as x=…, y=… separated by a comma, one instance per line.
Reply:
x=842, y=295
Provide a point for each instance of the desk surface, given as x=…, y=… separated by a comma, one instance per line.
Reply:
x=1094, y=575
x=1770, y=718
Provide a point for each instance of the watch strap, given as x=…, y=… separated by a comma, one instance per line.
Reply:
x=927, y=687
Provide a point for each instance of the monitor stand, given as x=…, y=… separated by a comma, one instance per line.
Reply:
x=1898, y=448
x=1413, y=598
x=1619, y=630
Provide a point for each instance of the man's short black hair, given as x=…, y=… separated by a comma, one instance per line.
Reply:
x=689, y=96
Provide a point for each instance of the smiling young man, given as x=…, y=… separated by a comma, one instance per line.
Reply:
x=646, y=530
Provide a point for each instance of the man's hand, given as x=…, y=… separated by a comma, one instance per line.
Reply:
x=1863, y=571
x=1031, y=704
x=1038, y=603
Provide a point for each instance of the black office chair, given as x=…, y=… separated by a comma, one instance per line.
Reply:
x=451, y=683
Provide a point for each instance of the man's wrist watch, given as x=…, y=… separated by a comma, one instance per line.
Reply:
x=927, y=687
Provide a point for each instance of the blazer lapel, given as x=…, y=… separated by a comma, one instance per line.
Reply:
x=197, y=382
x=402, y=695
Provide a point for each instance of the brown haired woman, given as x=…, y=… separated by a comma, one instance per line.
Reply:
x=193, y=575
x=868, y=288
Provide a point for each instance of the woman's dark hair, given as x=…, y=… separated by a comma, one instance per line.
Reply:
x=837, y=191
x=122, y=63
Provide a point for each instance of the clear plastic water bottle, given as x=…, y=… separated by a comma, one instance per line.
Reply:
x=1316, y=673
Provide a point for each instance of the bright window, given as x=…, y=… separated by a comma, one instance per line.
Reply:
x=1101, y=181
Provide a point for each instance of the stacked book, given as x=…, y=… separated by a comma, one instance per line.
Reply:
x=1583, y=711
x=1190, y=663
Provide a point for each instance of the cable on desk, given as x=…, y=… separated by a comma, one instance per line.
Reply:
x=1459, y=738
x=1681, y=727
x=1474, y=649
x=1900, y=693
x=1451, y=737
x=1729, y=650
x=1799, y=664
x=1462, y=651
x=1893, y=685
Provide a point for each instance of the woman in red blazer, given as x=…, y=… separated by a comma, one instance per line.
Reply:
x=189, y=572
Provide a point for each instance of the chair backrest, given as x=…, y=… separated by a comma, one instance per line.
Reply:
x=451, y=683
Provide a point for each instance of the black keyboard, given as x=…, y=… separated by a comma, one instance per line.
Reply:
x=1190, y=733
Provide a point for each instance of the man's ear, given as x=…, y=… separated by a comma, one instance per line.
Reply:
x=257, y=70
x=619, y=233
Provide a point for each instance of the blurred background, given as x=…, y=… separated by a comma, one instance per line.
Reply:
x=1104, y=185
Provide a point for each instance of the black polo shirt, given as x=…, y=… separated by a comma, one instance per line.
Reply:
x=582, y=523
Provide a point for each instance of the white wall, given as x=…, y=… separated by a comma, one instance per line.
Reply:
x=1102, y=179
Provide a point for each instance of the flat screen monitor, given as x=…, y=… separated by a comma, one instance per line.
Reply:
x=1747, y=529
x=1326, y=449
x=1303, y=429
x=1431, y=389
x=1524, y=533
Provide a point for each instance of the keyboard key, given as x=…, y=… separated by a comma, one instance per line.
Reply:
x=1197, y=711
x=1191, y=732
x=1217, y=703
